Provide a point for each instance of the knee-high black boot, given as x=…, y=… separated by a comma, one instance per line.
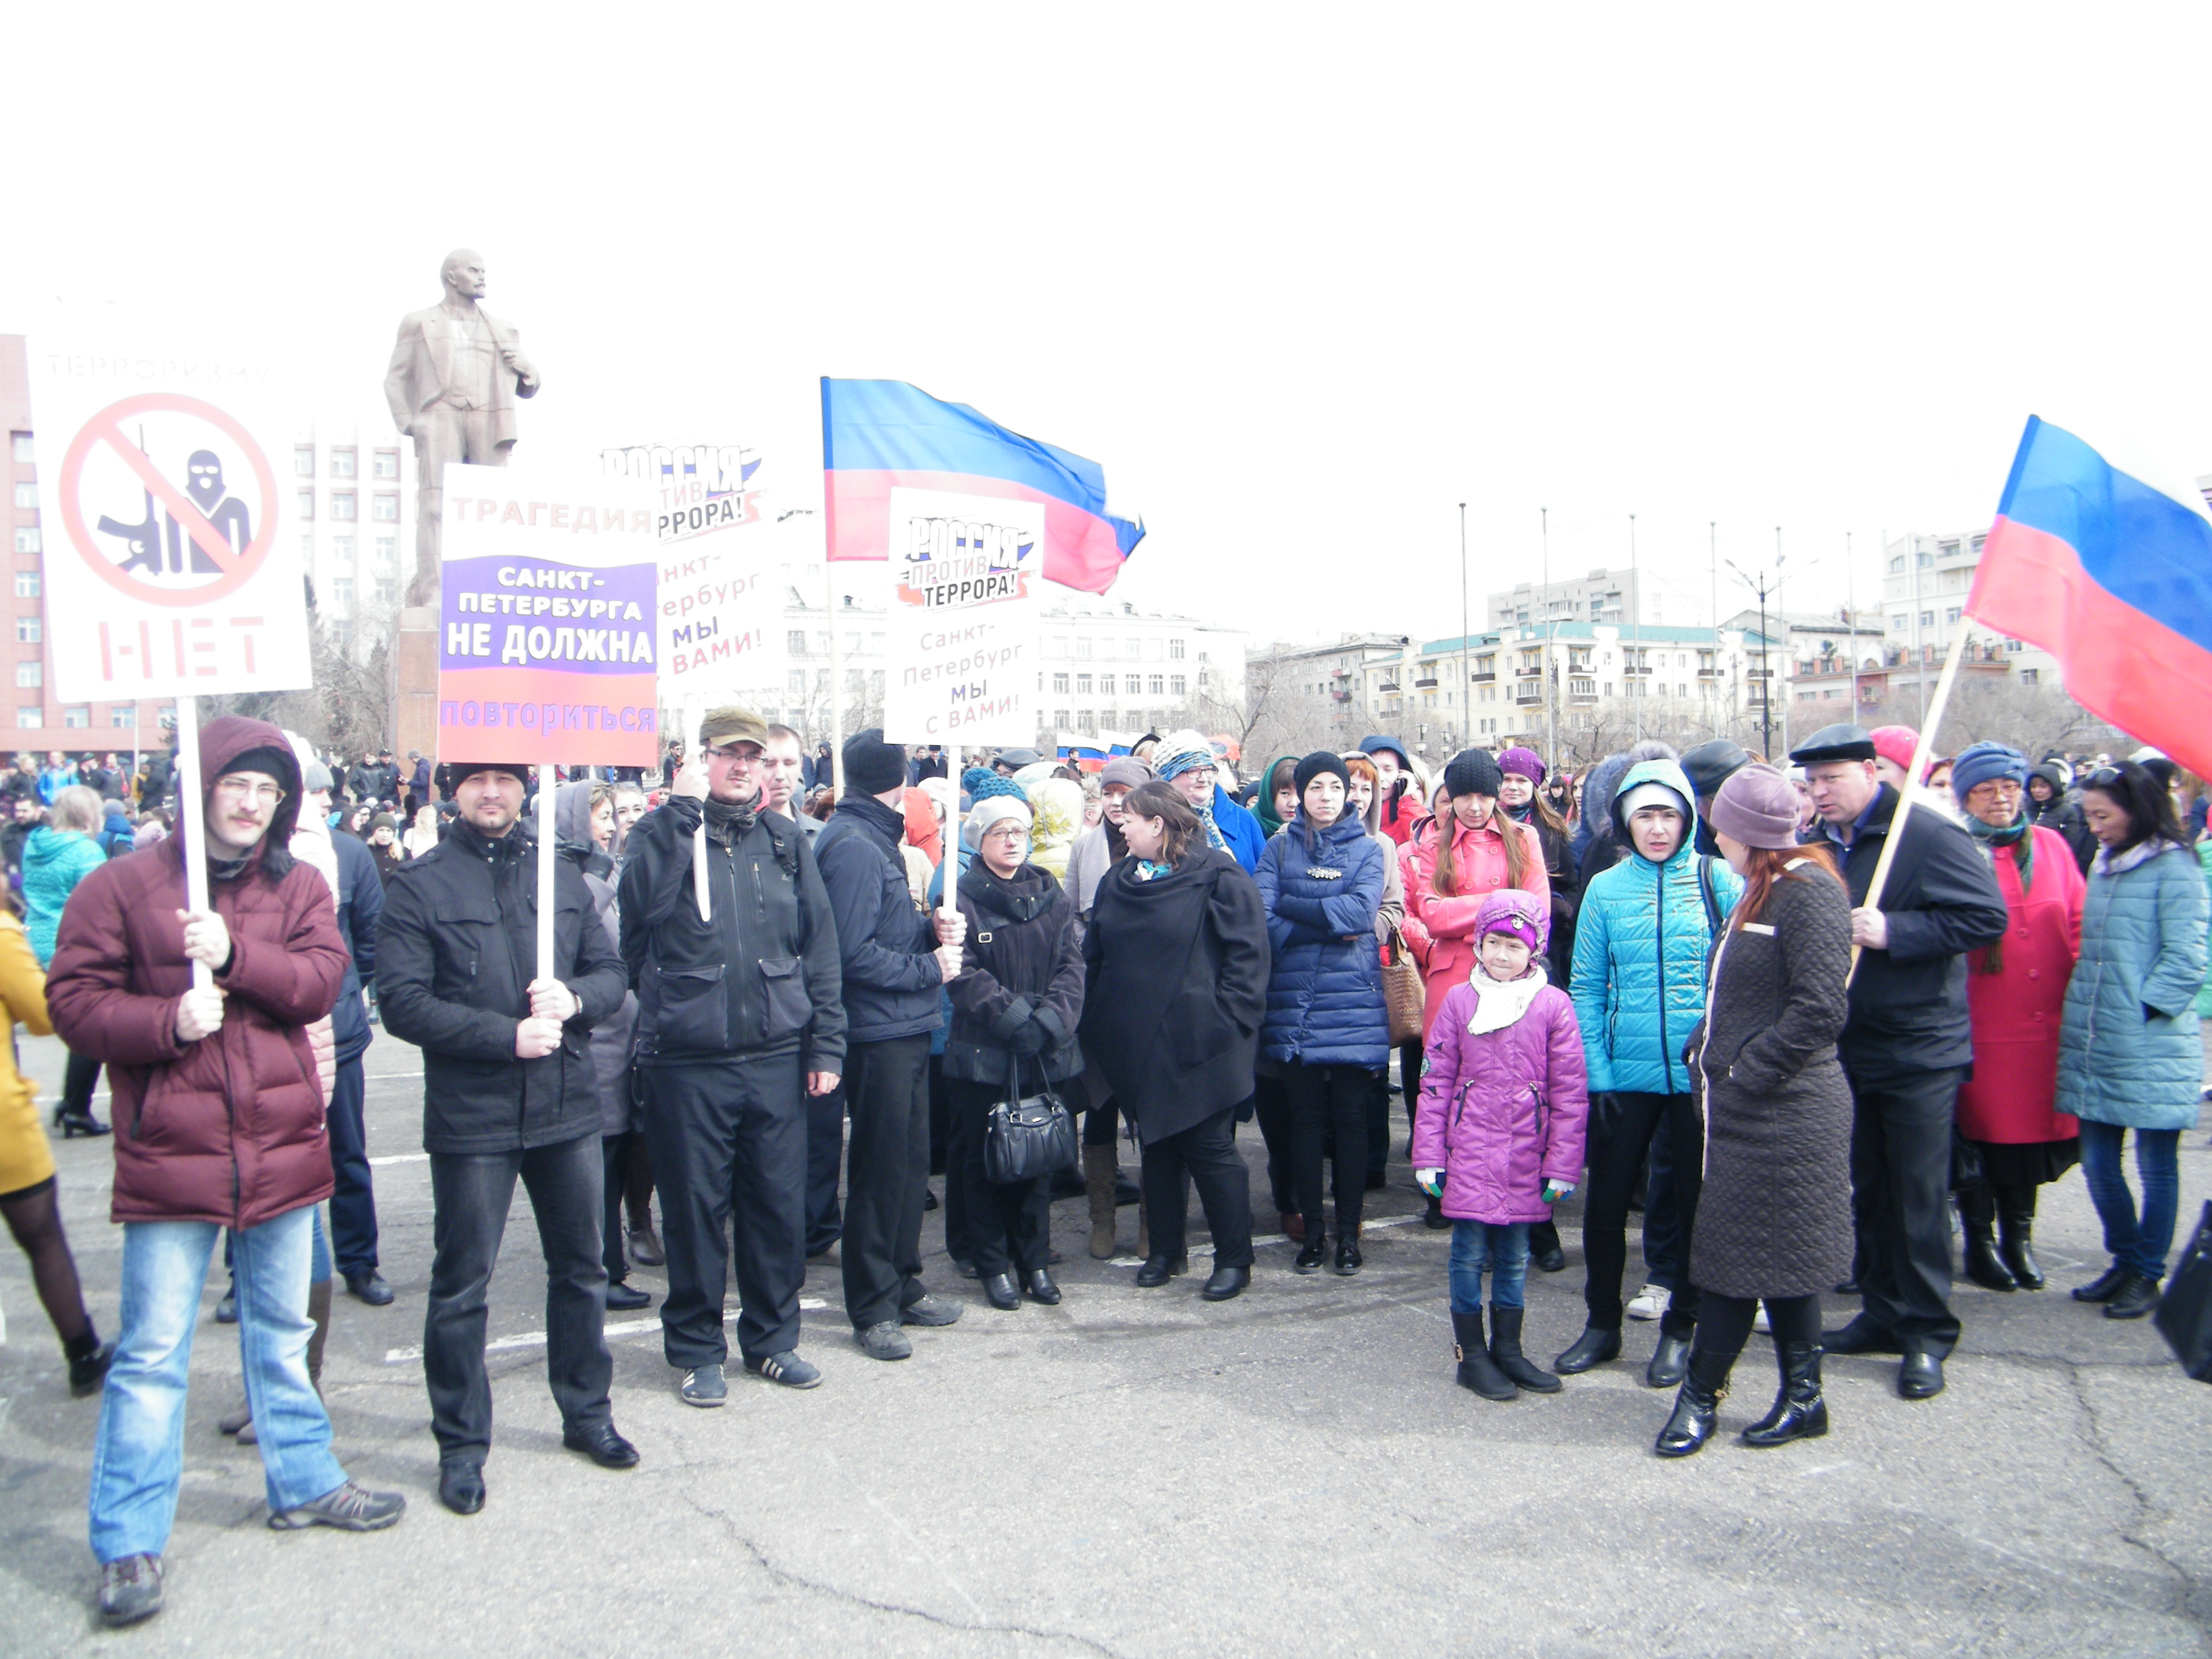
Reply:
x=1697, y=1405
x=2015, y=1227
x=1799, y=1411
x=1977, y=1216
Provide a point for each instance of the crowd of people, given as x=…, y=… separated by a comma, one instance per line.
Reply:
x=1668, y=984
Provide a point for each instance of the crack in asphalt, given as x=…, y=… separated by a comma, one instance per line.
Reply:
x=2194, y=1601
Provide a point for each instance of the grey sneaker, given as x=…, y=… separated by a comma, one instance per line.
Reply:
x=130, y=1589
x=704, y=1385
x=929, y=1310
x=884, y=1341
x=787, y=1368
x=351, y=1507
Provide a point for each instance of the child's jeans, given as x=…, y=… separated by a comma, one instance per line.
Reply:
x=1499, y=1249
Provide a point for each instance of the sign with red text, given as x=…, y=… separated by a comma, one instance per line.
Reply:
x=547, y=651
x=172, y=555
x=722, y=607
x=966, y=573
x=696, y=488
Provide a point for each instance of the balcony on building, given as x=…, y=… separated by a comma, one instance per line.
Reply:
x=1482, y=679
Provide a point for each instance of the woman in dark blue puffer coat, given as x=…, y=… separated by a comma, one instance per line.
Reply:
x=1322, y=881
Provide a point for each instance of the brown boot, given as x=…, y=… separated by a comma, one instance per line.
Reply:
x=1099, y=1169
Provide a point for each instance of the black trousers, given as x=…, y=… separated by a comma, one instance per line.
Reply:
x=1271, y=1109
x=353, y=1199
x=1207, y=1154
x=825, y=1151
x=471, y=1193
x=1900, y=1178
x=886, y=1173
x=80, y=1076
x=1323, y=1098
x=615, y=1155
x=1008, y=1226
x=1725, y=1322
x=1378, y=1123
x=728, y=1142
x=1621, y=1132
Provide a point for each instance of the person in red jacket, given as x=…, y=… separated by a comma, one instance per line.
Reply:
x=218, y=1115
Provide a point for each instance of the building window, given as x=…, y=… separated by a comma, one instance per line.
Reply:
x=341, y=634
x=1927, y=619
x=1083, y=649
x=342, y=505
x=1059, y=681
x=303, y=461
x=30, y=713
x=387, y=590
x=26, y=452
x=1175, y=683
x=1058, y=644
x=26, y=584
x=307, y=504
x=1952, y=614
x=1174, y=650
x=342, y=549
x=795, y=642
x=385, y=464
x=27, y=495
x=1156, y=685
x=1060, y=717
x=388, y=550
x=30, y=674
x=27, y=540
x=1083, y=723
x=1106, y=685
x=795, y=681
x=123, y=714
x=341, y=462
x=2030, y=676
x=1132, y=649
x=1082, y=687
x=28, y=630
x=384, y=507
x=342, y=590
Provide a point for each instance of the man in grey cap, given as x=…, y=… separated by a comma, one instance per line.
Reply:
x=1906, y=1048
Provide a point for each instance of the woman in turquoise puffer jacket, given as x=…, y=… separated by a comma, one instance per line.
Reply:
x=2128, y=1051
x=59, y=855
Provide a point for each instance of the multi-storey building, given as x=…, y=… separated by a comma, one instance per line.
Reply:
x=1925, y=581
x=353, y=483
x=1618, y=597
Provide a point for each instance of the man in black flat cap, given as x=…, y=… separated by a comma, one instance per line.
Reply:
x=1905, y=1048
x=1708, y=766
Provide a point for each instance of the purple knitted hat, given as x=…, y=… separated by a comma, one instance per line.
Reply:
x=1519, y=763
x=1758, y=806
x=1510, y=910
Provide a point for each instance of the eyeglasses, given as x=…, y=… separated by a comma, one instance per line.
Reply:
x=734, y=756
x=249, y=789
x=1007, y=832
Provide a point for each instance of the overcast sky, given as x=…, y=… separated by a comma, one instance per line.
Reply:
x=1300, y=278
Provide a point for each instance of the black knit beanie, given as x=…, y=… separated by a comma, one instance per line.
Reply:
x=1472, y=772
x=873, y=767
x=1314, y=765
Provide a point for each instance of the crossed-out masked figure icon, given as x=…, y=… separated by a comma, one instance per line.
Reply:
x=159, y=544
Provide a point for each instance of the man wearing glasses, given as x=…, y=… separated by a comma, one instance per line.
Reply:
x=738, y=1021
x=219, y=1123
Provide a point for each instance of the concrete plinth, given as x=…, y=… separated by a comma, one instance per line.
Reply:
x=415, y=681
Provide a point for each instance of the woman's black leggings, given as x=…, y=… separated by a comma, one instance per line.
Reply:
x=1725, y=1322
x=35, y=1219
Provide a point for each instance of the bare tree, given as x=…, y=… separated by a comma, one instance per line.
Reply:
x=347, y=709
x=1271, y=718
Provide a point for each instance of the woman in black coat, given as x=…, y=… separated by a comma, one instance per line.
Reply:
x=1774, y=1220
x=1015, y=1005
x=1177, y=953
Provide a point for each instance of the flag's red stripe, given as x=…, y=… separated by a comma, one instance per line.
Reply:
x=1080, y=548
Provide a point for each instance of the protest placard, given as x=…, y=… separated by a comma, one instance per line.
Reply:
x=697, y=488
x=964, y=610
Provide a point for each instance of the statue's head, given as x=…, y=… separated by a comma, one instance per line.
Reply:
x=465, y=273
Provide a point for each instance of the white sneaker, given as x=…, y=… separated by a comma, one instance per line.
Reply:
x=1650, y=1302
x=1759, y=1322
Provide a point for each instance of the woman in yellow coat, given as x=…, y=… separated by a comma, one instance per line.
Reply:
x=27, y=1195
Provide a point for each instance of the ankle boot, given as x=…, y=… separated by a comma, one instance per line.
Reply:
x=1099, y=1169
x=2015, y=1227
x=1697, y=1405
x=1982, y=1265
x=319, y=1315
x=1799, y=1411
x=1314, y=1251
x=1477, y=1370
x=89, y=1359
x=1505, y=1351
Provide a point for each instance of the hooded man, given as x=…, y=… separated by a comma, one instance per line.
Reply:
x=126, y=988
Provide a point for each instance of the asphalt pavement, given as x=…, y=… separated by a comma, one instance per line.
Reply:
x=1137, y=1473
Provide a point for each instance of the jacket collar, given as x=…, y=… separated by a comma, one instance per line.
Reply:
x=476, y=844
x=887, y=821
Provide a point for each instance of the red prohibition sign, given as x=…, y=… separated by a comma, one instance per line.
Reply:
x=105, y=428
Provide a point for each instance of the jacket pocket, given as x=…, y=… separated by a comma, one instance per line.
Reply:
x=692, y=1013
x=789, y=1006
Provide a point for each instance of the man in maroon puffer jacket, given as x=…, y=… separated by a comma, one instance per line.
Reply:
x=218, y=1116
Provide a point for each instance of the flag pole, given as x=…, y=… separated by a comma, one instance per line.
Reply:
x=547, y=967
x=1922, y=751
x=191, y=820
x=829, y=600
x=693, y=722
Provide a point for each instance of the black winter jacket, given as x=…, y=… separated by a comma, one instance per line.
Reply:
x=759, y=979
x=1909, y=1001
x=893, y=986
x=361, y=913
x=454, y=958
x=1020, y=986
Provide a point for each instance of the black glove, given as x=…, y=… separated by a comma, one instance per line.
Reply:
x=1027, y=1038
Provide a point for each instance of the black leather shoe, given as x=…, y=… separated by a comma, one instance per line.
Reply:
x=460, y=1487
x=1920, y=1377
x=1349, y=1261
x=965, y=1269
x=225, y=1311
x=625, y=1298
x=1153, y=1274
x=2103, y=1286
x=1544, y=1249
x=602, y=1445
x=1862, y=1335
x=929, y=1197
x=369, y=1287
x=1039, y=1287
x=1313, y=1252
x=1593, y=1347
x=2138, y=1296
x=999, y=1290
x=1226, y=1282
x=1434, y=1218
x=1670, y=1362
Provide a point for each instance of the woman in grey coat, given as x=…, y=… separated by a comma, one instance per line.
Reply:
x=1774, y=1218
x=2128, y=1052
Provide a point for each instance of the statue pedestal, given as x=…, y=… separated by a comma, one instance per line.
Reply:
x=414, y=682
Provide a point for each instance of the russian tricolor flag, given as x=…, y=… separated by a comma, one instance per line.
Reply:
x=2114, y=578
x=877, y=434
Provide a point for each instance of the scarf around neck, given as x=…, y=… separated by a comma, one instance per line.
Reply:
x=1503, y=1002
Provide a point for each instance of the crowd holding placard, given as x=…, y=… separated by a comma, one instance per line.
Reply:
x=1661, y=984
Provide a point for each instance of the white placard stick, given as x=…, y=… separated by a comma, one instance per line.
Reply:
x=547, y=967
x=700, y=890
x=192, y=820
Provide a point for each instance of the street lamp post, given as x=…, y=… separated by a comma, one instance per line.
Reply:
x=1465, y=681
x=1635, y=630
x=1713, y=570
x=1551, y=702
x=1759, y=585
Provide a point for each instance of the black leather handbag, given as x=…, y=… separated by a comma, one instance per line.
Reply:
x=1027, y=1135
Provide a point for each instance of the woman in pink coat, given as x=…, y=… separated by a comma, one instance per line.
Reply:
x=2016, y=994
x=1498, y=1137
x=1475, y=852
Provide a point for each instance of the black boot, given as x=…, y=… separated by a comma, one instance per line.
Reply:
x=1477, y=1370
x=1434, y=1218
x=89, y=1359
x=1696, y=1406
x=1978, y=1220
x=1593, y=1347
x=1670, y=1361
x=1505, y=1351
x=1799, y=1411
x=1544, y=1247
x=1314, y=1251
x=2015, y=1227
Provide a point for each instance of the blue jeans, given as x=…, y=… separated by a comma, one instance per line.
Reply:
x=1499, y=1249
x=2139, y=1246
x=138, y=1456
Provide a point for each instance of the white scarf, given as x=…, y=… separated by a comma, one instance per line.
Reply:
x=1501, y=1002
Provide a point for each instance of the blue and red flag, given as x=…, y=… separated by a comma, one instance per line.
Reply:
x=2113, y=578
x=878, y=435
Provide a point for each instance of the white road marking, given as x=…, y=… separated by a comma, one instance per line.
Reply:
x=623, y=1328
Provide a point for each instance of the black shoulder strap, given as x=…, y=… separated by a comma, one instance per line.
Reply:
x=1712, y=899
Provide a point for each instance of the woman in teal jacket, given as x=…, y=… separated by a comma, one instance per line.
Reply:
x=59, y=855
x=1641, y=942
x=2128, y=1051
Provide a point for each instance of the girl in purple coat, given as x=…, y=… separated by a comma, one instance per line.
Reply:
x=1500, y=1133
